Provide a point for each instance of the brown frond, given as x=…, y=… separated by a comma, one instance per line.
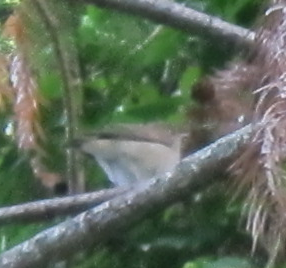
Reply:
x=223, y=104
x=14, y=29
x=26, y=99
x=253, y=90
x=25, y=103
x=23, y=93
x=50, y=180
x=260, y=167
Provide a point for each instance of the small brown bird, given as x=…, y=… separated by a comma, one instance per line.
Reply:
x=128, y=153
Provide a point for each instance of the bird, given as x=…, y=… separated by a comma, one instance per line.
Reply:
x=129, y=153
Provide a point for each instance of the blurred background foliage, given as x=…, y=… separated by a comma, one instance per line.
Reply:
x=134, y=71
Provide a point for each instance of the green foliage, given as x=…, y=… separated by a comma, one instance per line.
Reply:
x=226, y=262
x=237, y=11
x=6, y=8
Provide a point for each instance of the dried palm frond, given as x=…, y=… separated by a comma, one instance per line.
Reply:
x=260, y=167
x=23, y=93
x=224, y=103
x=253, y=90
x=26, y=97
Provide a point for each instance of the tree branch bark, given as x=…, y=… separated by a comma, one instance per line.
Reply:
x=180, y=17
x=51, y=208
x=99, y=224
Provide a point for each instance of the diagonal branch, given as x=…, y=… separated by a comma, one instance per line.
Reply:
x=180, y=17
x=99, y=224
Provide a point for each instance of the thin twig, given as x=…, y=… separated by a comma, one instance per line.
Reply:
x=56, y=207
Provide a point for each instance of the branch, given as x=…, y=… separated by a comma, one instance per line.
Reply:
x=180, y=17
x=99, y=224
x=66, y=55
x=51, y=208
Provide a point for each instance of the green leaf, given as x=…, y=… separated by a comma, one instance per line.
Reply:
x=164, y=46
x=49, y=84
x=229, y=262
x=189, y=77
x=225, y=262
